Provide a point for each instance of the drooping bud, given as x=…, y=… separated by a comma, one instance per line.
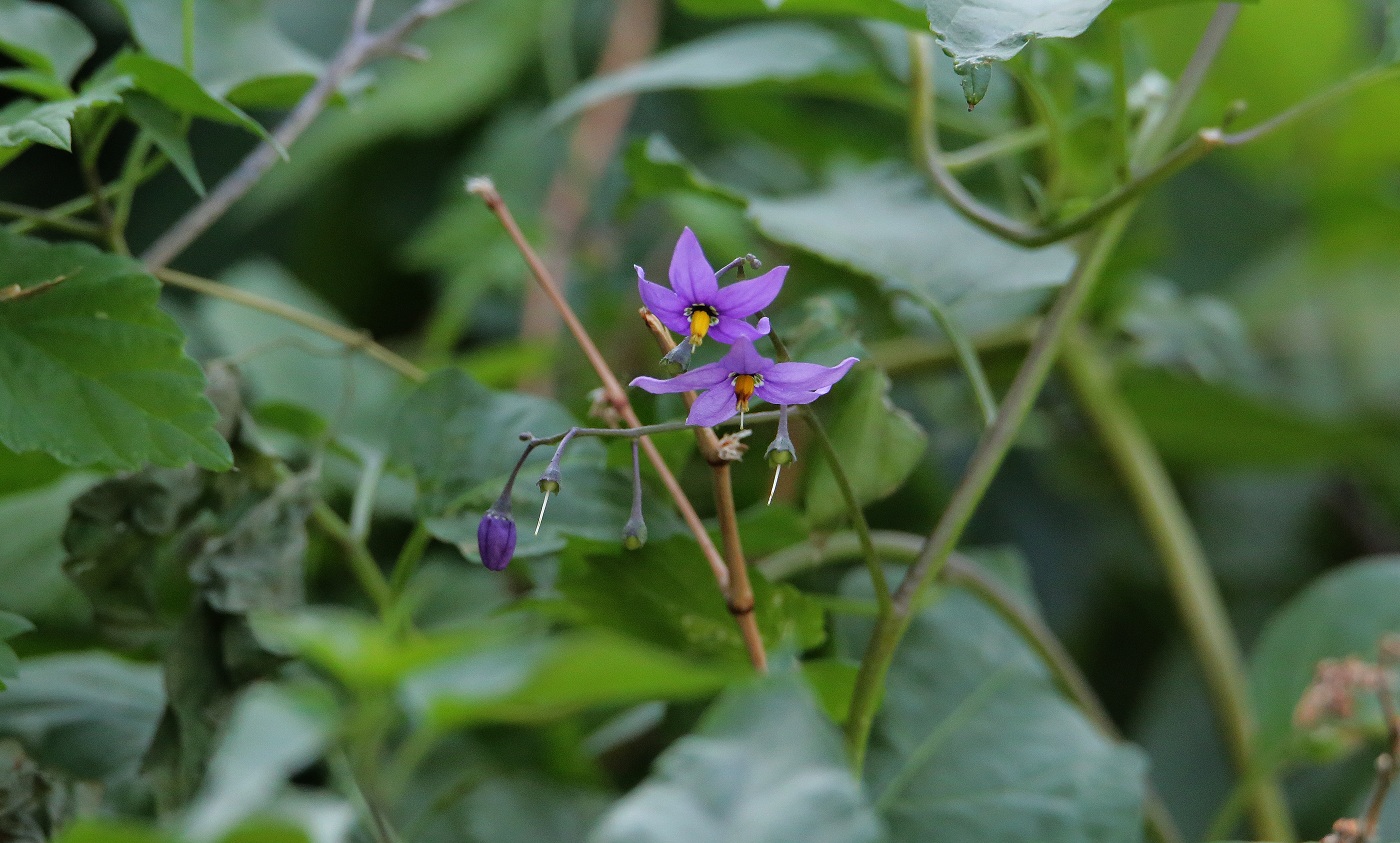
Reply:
x=677, y=360
x=552, y=480
x=549, y=481
x=495, y=537
x=634, y=533
x=780, y=450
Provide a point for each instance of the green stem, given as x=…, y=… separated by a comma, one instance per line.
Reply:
x=362, y=564
x=38, y=216
x=1043, y=103
x=1183, y=561
x=187, y=35
x=992, y=149
x=1122, y=132
x=848, y=492
x=991, y=449
x=409, y=557
x=962, y=348
x=78, y=205
x=126, y=190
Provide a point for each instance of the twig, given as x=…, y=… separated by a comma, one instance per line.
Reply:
x=351, y=338
x=1183, y=560
x=54, y=217
x=617, y=398
x=39, y=216
x=644, y=430
x=362, y=564
x=962, y=349
x=359, y=49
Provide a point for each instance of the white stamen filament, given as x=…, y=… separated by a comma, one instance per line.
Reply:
x=541, y=520
x=777, y=470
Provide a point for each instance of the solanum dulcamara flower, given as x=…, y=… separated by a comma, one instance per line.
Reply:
x=742, y=375
x=696, y=306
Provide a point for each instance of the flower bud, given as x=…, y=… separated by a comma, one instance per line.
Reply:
x=780, y=452
x=634, y=535
x=495, y=538
x=677, y=360
x=549, y=481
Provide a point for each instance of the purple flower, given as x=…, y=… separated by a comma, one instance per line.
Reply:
x=742, y=375
x=696, y=306
x=495, y=537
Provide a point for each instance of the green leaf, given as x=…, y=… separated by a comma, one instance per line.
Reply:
x=764, y=765
x=665, y=594
x=273, y=732
x=239, y=54
x=168, y=132
x=979, y=31
x=973, y=742
x=88, y=830
x=908, y=13
x=45, y=37
x=456, y=435
x=258, y=564
x=10, y=626
x=93, y=371
x=31, y=557
x=88, y=714
x=879, y=446
x=172, y=85
x=765, y=52
x=656, y=167
x=539, y=680
x=1344, y=613
x=35, y=82
x=883, y=222
x=24, y=122
x=1198, y=422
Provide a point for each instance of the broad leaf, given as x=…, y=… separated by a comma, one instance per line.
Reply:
x=88, y=714
x=172, y=85
x=91, y=370
x=909, y=13
x=974, y=742
x=879, y=446
x=24, y=122
x=665, y=594
x=10, y=626
x=978, y=31
x=765, y=765
x=45, y=37
x=1345, y=613
x=168, y=131
x=239, y=54
x=767, y=52
x=884, y=223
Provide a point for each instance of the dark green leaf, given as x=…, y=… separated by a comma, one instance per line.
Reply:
x=23, y=123
x=89, y=830
x=666, y=594
x=87, y=714
x=457, y=435
x=1344, y=613
x=10, y=626
x=239, y=54
x=996, y=30
x=172, y=85
x=909, y=13
x=878, y=444
x=766, y=52
x=258, y=565
x=117, y=388
x=168, y=131
x=45, y=37
x=973, y=741
x=764, y=765
x=35, y=82
x=657, y=168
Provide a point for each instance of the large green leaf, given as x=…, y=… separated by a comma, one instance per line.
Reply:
x=973, y=741
x=995, y=30
x=91, y=370
x=45, y=37
x=884, y=223
x=51, y=123
x=173, y=85
x=765, y=52
x=88, y=714
x=239, y=54
x=765, y=765
x=909, y=13
x=665, y=594
x=457, y=434
x=878, y=444
x=1344, y=613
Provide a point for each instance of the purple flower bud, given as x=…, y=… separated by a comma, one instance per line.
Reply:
x=495, y=539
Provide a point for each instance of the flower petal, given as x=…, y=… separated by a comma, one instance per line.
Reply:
x=692, y=277
x=730, y=331
x=667, y=306
x=701, y=377
x=744, y=359
x=746, y=298
x=808, y=375
x=713, y=407
x=780, y=395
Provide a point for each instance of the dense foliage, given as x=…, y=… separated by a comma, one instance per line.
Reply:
x=1071, y=503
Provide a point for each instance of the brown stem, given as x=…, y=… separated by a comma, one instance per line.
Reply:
x=612, y=390
x=1386, y=761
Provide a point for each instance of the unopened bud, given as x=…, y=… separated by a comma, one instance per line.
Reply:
x=634, y=535
x=677, y=360
x=495, y=538
x=549, y=481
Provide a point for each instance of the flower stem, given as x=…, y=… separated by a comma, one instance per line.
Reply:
x=1188, y=574
x=963, y=349
x=409, y=557
x=362, y=564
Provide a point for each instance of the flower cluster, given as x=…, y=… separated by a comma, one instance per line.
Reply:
x=696, y=307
